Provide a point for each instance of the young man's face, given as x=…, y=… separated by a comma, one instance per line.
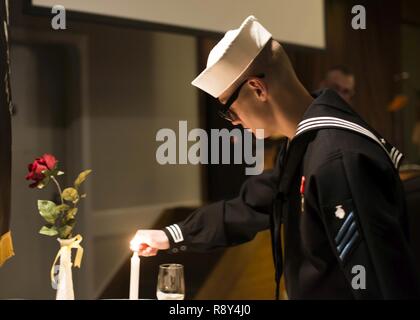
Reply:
x=250, y=108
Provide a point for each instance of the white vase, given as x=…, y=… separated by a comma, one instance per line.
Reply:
x=65, y=278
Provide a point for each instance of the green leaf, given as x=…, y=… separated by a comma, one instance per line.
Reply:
x=62, y=208
x=71, y=214
x=48, y=231
x=47, y=209
x=42, y=184
x=81, y=178
x=46, y=180
x=53, y=172
x=70, y=194
x=48, y=173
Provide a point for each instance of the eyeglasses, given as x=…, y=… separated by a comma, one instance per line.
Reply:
x=225, y=111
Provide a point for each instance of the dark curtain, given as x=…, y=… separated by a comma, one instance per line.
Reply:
x=6, y=248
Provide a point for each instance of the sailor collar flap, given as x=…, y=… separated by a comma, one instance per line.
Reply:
x=328, y=111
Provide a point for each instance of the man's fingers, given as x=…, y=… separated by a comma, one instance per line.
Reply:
x=143, y=253
x=153, y=251
x=155, y=239
x=148, y=252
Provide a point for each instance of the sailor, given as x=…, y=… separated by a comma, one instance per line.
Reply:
x=335, y=187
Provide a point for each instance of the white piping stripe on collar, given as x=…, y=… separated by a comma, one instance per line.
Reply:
x=399, y=158
x=323, y=118
x=397, y=155
x=310, y=121
x=394, y=155
x=330, y=120
x=175, y=232
x=347, y=124
x=392, y=151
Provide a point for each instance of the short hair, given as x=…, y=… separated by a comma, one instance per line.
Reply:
x=342, y=68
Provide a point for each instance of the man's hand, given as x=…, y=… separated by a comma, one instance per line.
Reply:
x=149, y=242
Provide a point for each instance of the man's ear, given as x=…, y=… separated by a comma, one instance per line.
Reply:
x=259, y=87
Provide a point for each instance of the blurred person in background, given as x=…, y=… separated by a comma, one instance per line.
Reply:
x=340, y=79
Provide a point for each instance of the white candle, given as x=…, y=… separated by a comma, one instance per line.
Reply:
x=134, y=276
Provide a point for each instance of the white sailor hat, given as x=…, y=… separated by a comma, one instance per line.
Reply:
x=231, y=57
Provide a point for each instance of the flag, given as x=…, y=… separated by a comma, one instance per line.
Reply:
x=6, y=245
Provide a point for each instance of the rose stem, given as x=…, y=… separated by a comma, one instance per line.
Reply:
x=59, y=188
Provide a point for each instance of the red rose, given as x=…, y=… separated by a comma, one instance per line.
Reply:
x=46, y=162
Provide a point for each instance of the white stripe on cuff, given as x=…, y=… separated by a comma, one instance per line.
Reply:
x=180, y=232
x=171, y=232
x=175, y=232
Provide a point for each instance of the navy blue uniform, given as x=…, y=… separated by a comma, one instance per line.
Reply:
x=336, y=189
